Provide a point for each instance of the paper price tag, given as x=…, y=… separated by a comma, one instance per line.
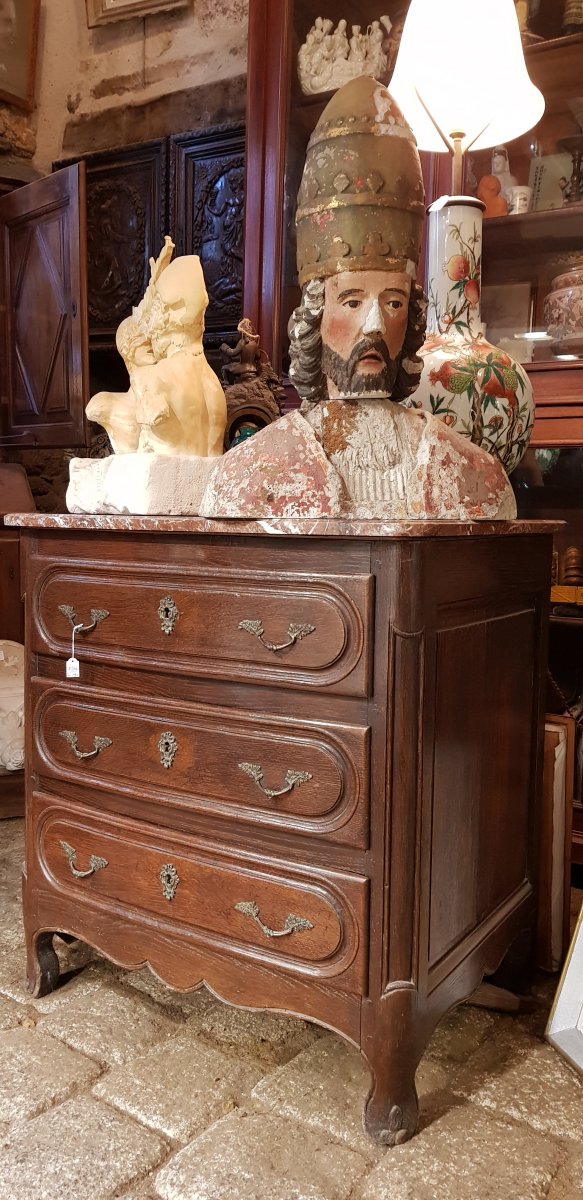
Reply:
x=72, y=668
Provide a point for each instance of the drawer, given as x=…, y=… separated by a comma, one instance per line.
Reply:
x=289, y=630
x=294, y=775
x=310, y=921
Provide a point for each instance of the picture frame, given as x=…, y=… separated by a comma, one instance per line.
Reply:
x=19, y=21
x=102, y=12
x=565, y=1026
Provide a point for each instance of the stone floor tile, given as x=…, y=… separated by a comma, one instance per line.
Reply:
x=267, y=1036
x=108, y=1024
x=71, y=957
x=528, y=1081
x=264, y=1036
x=460, y=1032
x=36, y=1072
x=12, y=1014
x=325, y=1088
x=568, y=1182
x=180, y=1087
x=148, y=984
x=259, y=1157
x=81, y=1150
x=465, y=1154
x=12, y=974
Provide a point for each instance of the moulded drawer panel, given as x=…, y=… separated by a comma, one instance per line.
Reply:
x=308, y=921
x=300, y=776
x=290, y=630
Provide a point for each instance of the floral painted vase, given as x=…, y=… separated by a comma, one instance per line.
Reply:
x=478, y=390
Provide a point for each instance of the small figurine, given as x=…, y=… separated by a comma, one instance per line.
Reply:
x=175, y=404
x=255, y=395
x=489, y=194
x=246, y=351
x=501, y=169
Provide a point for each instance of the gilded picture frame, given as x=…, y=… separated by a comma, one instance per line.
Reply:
x=19, y=20
x=565, y=1028
x=101, y=12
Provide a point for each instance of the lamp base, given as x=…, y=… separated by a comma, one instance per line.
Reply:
x=475, y=388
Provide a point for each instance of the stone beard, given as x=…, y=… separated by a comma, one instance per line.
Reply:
x=354, y=349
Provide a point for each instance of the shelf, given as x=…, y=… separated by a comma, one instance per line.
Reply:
x=520, y=236
x=577, y=621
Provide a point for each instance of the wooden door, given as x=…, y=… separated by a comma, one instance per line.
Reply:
x=43, y=312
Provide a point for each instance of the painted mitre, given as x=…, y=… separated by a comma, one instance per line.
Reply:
x=361, y=200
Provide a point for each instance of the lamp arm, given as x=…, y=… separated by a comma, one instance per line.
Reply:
x=442, y=135
x=454, y=144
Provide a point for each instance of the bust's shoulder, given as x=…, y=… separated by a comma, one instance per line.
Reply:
x=279, y=472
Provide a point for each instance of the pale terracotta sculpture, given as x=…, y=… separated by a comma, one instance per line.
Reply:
x=175, y=404
x=352, y=450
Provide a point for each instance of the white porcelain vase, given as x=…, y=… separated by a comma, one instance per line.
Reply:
x=476, y=388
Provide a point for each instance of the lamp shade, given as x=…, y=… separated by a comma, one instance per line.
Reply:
x=462, y=61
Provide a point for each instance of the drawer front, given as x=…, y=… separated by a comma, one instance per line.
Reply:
x=247, y=766
x=286, y=629
x=309, y=921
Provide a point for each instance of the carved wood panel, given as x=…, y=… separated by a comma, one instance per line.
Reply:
x=43, y=305
x=126, y=223
x=207, y=186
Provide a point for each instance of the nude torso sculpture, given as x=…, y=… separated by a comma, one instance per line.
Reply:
x=175, y=404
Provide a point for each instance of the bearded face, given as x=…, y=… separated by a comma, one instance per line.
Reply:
x=364, y=323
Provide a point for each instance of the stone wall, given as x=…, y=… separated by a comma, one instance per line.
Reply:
x=124, y=82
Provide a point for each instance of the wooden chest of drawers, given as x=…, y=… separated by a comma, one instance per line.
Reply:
x=299, y=767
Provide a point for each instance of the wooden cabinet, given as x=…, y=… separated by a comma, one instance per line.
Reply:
x=524, y=253
x=75, y=260
x=315, y=825
x=126, y=223
x=280, y=120
x=190, y=186
x=206, y=201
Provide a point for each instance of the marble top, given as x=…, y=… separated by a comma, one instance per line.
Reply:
x=280, y=526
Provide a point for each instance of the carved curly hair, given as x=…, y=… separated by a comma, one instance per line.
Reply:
x=306, y=345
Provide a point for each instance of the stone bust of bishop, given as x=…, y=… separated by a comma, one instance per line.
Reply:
x=353, y=450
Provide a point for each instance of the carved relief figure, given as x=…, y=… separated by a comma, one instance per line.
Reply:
x=353, y=450
x=175, y=404
x=218, y=233
x=116, y=243
x=329, y=58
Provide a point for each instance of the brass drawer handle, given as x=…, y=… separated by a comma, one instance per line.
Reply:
x=295, y=634
x=292, y=779
x=168, y=614
x=292, y=924
x=169, y=878
x=95, y=863
x=97, y=615
x=99, y=743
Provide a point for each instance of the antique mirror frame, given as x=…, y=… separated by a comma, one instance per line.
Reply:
x=29, y=12
x=100, y=12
